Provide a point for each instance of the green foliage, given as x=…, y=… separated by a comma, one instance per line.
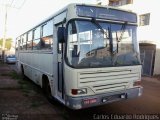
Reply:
x=99, y=3
x=14, y=75
x=7, y=44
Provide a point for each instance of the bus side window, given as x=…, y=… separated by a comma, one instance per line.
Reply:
x=21, y=43
x=24, y=42
x=29, y=45
x=29, y=41
x=36, y=44
x=16, y=45
x=46, y=42
x=36, y=41
x=47, y=36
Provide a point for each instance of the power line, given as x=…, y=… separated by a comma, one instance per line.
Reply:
x=12, y=2
x=17, y=4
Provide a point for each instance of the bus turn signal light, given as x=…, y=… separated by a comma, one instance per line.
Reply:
x=79, y=91
x=137, y=83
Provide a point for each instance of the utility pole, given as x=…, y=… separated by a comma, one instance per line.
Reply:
x=5, y=32
x=7, y=5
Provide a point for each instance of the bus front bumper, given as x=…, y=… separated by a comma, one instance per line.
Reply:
x=100, y=99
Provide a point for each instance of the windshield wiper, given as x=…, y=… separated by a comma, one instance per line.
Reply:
x=93, y=20
x=123, y=28
x=108, y=35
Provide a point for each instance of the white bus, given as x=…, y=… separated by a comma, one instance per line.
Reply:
x=83, y=56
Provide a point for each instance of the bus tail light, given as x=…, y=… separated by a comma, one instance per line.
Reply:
x=79, y=91
x=137, y=83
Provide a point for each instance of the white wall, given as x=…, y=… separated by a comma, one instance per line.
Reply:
x=151, y=32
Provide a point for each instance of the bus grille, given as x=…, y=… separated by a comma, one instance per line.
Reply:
x=107, y=81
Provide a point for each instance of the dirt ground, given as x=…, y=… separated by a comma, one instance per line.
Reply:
x=157, y=77
x=23, y=100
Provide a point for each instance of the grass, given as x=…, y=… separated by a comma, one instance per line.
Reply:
x=15, y=76
x=28, y=88
x=4, y=74
x=36, y=103
x=2, y=63
x=25, y=84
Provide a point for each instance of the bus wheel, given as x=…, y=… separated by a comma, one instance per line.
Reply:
x=22, y=72
x=47, y=89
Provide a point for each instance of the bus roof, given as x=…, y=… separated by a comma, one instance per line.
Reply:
x=75, y=4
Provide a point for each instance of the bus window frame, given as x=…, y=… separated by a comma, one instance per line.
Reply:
x=86, y=19
x=31, y=31
x=47, y=35
x=24, y=36
x=37, y=38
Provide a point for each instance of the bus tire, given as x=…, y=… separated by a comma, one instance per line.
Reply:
x=22, y=72
x=46, y=88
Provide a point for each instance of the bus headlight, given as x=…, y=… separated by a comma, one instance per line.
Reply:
x=79, y=91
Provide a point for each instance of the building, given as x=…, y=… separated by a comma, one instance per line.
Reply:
x=148, y=31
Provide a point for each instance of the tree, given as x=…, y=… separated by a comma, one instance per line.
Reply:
x=7, y=44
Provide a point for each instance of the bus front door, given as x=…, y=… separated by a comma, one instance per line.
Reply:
x=60, y=70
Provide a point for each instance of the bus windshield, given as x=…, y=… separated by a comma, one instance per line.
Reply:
x=89, y=47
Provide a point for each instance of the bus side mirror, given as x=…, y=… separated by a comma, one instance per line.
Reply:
x=61, y=34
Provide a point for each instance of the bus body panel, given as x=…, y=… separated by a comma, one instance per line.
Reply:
x=101, y=99
x=106, y=85
x=36, y=64
x=101, y=80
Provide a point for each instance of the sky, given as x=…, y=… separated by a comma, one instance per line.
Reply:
x=30, y=14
